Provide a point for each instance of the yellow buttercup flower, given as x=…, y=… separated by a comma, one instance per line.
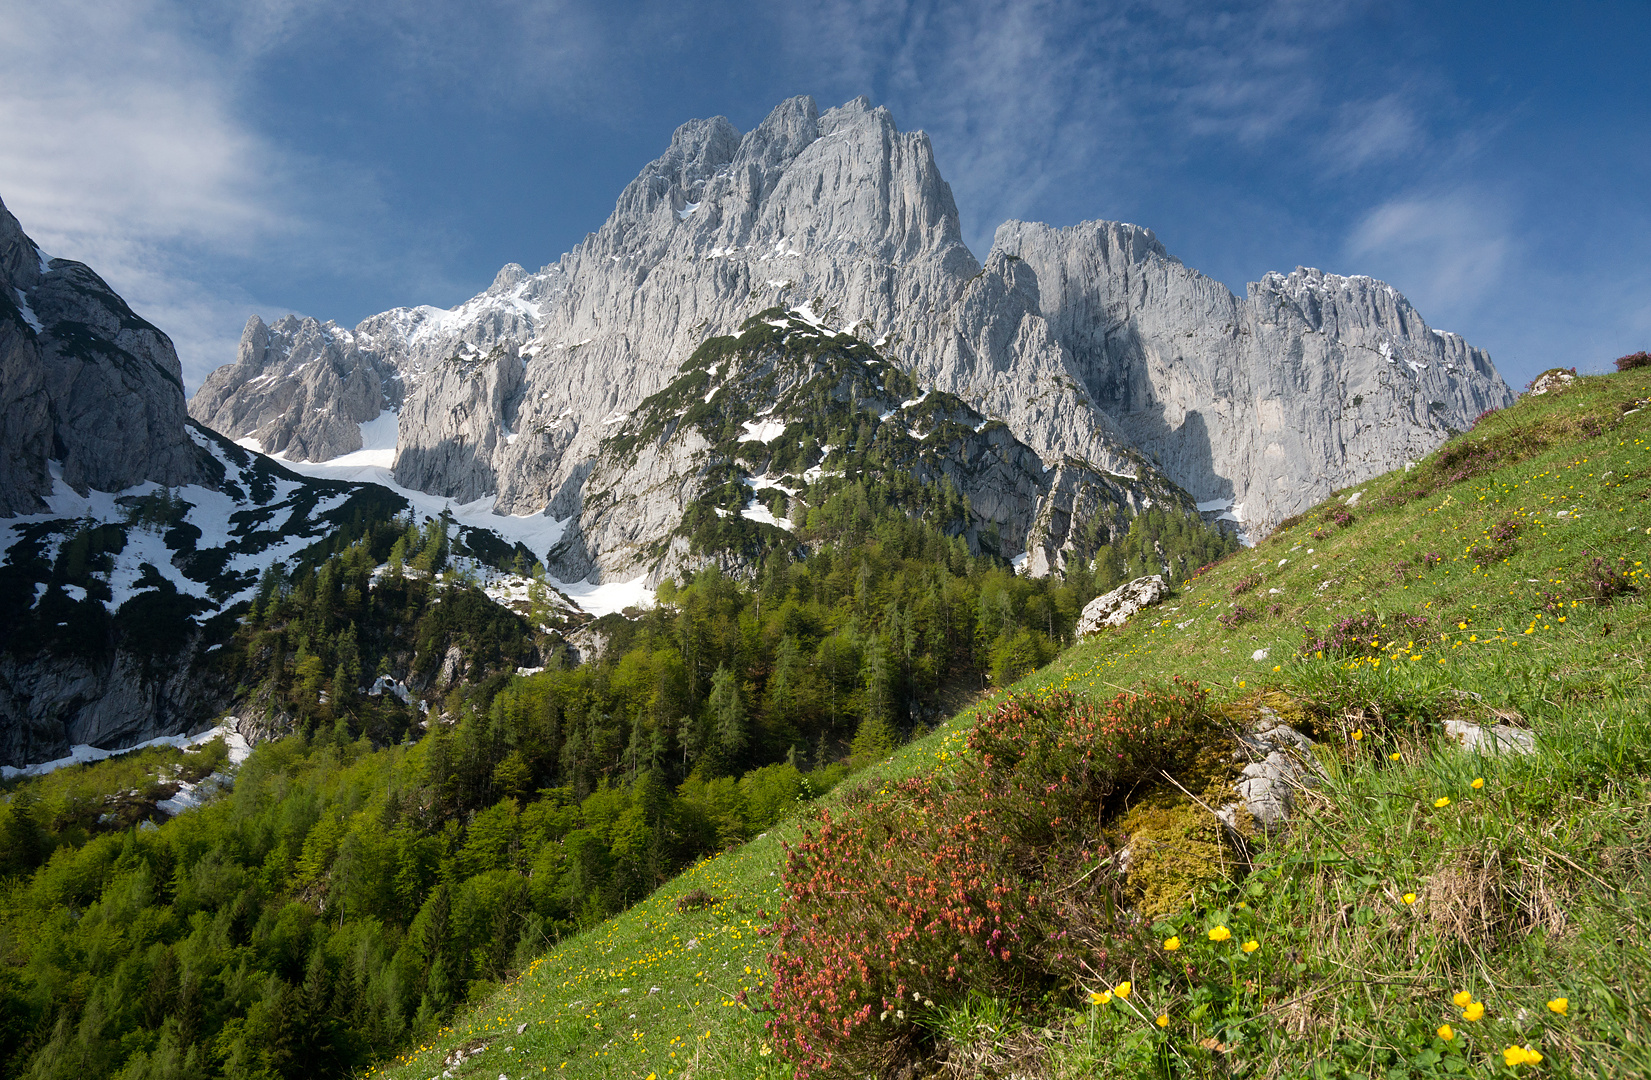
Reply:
x=1220, y=933
x=1474, y=1011
x=1357, y=735
x=1171, y=944
x=1163, y=1019
x=1122, y=989
x=1446, y=1033
x=1559, y=1005
x=1252, y=945
x=1096, y=997
x=1519, y=1055
x=1441, y=802
x=1409, y=898
x=1478, y=782
x=1461, y=998
x=1394, y=756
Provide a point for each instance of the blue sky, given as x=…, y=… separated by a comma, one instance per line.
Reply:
x=336, y=158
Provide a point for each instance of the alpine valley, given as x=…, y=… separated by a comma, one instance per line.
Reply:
x=530, y=604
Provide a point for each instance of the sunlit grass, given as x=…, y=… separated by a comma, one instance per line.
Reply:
x=1405, y=855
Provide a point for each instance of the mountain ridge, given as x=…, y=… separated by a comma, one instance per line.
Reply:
x=1089, y=340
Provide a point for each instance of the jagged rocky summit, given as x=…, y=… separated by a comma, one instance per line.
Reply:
x=1097, y=351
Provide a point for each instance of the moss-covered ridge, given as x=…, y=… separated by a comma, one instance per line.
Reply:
x=767, y=423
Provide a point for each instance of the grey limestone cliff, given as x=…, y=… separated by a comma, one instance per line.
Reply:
x=1266, y=402
x=1097, y=349
x=302, y=388
x=88, y=390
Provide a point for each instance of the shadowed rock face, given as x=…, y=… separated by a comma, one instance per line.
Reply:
x=1090, y=343
x=84, y=383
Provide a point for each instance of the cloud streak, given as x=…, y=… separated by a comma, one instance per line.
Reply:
x=120, y=152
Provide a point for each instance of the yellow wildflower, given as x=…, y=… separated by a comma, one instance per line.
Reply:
x=1171, y=944
x=1409, y=898
x=1559, y=1005
x=1357, y=735
x=1519, y=1055
x=1446, y=1033
x=1461, y=998
x=1163, y=1019
x=1122, y=989
x=1220, y=933
x=1478, y=782
x=1441, y=802
x=1394, y=756
x=1252, y=945
x=1474, y=1011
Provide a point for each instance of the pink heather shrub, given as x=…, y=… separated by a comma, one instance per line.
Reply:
x=969, y=880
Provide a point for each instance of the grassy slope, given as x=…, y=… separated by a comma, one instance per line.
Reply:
x=1575, y=812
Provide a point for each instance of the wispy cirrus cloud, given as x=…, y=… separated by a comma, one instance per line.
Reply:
x=121, y=152
x=1026, y=99
x=1457, y=246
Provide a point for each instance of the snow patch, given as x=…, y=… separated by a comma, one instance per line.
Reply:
x=761, y=483
x=756, y=511
x=539, y=532
x=764, y=431
x=687, y=210
x=378, y=443
x=28, y=312
x=1215, y=504
x=609, y=597
x=82, y=754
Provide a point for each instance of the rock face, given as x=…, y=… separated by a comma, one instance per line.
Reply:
x=88, y=390
x=302, y=388
x=764, y=426
x=1268, y=402
x=1091, y=343
x=116, y=603
x=1116, y=607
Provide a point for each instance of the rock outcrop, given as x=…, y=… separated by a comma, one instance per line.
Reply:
x=1091, y=344
x=89, y=391
x=1118, y=606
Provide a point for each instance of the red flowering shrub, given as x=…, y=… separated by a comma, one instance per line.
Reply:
x=933, y=888
x=1641, y=359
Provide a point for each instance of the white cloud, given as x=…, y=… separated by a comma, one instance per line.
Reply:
x=1372, y=132
x=1026, y=99
x=1444, y=251
x=122, y=151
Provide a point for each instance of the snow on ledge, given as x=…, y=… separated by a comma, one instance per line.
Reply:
x=607, y=598
x=84, y=754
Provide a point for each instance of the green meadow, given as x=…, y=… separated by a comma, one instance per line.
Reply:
x=1429, y=911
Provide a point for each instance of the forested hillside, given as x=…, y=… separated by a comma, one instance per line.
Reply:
x=380, y=865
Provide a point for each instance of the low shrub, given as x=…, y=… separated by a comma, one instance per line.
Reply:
x=975, y=881
x=1602, y=580
x=1500, y=542
x=1359, y=635
x=1632, y=361
x=1245, y=584
x=1237, y=617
